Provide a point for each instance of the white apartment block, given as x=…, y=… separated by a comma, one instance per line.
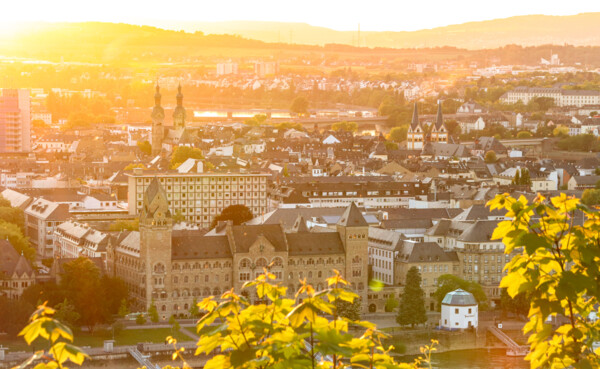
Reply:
x=561, y=97
x=200, y=197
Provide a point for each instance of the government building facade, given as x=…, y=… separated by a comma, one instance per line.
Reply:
x=173, y=268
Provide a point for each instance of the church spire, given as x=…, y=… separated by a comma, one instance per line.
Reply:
x=415, y=118
x=179, y=96
x=157, y=95
x=179, y=113
x=440, y=118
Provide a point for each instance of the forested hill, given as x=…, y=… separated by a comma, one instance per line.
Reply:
x=528, y=30
x=129, y=44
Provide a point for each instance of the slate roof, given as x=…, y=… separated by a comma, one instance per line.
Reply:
x=415, y=118
x=11, y=262
x=195, y=245
x=245, y=235
x=314, y=243
x=480, y=231
x=352, y=217
x=423, y=252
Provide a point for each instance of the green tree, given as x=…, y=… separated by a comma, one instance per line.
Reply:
x=448, y=283
x=66, y=313
x=81, y=284
x=348, y=310
x=524, y=134
x=238, y=214
x=299, y=105
x=140, y=319
x=14, y=216
x=123, y=309
x=597, y=185
x=398, y=134
x=183, y=153
x=125, y=225
x=525, y=178
x=412, y=305
x=153, y=313
x=178, y=217
x=13, y=233
x=518, y=305
x=145, y=147
x=194, y=310
x=391, y=303
x=555, y=265
x=44, y=326
x=283, y=332
x=13, y=314
x=490, y=157
x=590, y=197
x=345, y=126
x=175, y=327
x=4, y=203
x=517, y=179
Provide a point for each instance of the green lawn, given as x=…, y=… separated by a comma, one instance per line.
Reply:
x=125, y=337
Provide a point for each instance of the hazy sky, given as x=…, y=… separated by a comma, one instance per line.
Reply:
x=376, y=15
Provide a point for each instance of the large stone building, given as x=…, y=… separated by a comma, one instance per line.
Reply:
x=173, y=268
x=200, y=197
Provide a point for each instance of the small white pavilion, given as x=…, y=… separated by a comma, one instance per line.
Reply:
x=459, y=310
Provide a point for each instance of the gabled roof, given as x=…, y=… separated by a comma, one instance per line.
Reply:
x=11, y=262
x=300, y=225
x=352, y=217
x=459, y=297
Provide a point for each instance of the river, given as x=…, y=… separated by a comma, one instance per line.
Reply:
x=477, y=359
x=463, y=359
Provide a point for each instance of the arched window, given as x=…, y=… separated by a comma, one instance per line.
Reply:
x=206, y=291
x=277, y=262
x=361, y=286
x=175, y=293
x=216, y=292
x=159, y=268
x=196, y=292
x=310, y=274
x=185, y=306
x=176, y=266
x=207, y=265
x=261, y=263
x=185, y=279
x=291, y=289
x=319, y=261
x=320, y=274
x=291, y=262
x=310, y=261
x=185, y=293
x=227, y=264
x=163, y=308
x=356, y=260
x=217, y=265
x=245, y=263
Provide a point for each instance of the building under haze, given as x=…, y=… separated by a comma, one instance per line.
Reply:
x=174, y=268
x=15, y=120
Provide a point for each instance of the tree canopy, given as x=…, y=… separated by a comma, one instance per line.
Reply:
x=345, y=126
x=299, y=105
x=183, y=153
x=398, y=134
x=555, y=264
x=490, y=157
x=448, y=283
x=412, y=304
x=238, y=214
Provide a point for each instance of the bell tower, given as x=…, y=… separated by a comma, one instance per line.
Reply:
x=354, y=232
x=158, y=118
x=179, y=112
x=156, y=226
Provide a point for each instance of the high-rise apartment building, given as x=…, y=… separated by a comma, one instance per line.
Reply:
x=15, y=120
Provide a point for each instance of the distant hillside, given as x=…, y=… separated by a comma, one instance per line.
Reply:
x=529, y=30
x=126, y=44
